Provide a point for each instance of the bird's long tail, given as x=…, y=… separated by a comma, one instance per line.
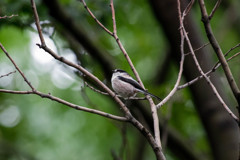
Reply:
x=152, y=95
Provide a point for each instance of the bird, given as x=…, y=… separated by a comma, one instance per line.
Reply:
x=127, y=87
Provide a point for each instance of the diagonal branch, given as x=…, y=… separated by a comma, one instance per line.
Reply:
x=201, y=71
x=15, y=65
x=49, y=96
x=216, y=66
x=218, y=51
x=173, y=91
x=98, y=22
x=214, y=9
x=59, y=100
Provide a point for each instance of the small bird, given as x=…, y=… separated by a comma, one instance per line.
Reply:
x=125, y=86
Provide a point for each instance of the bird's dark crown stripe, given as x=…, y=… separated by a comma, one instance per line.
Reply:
x=119, y=70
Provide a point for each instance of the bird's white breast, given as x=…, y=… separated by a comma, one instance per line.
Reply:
x=122, y=88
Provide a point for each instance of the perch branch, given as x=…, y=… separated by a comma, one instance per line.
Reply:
x=128, y=115
x=49, y=96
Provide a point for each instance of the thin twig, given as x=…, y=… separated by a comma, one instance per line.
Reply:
x=188, y=8
x=15, y=92
x=94, y=89
x=5, y=75
x=173, y=91
x=59, y=100
x=214, y=9
x=34, y=8
x=4, y=17
x=216, y=66
x=98, y=22
x=236, y=46
x=25, y=79
x=195, y=50
x=235, y=55
x=113, y=18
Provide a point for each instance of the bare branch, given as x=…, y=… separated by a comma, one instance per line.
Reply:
x=4, y=17
x=5, y=75
x=235, y=55
x=238, y=45
x=216, y=66
x=202, y=73
x=195, y=50
x=49, y=96
x=218, y=51
x=113, y=18
x=173, y=91
x=77, y=107
x=188, y=8
x=208, y=80
x=15, y=92
x=98, y=22
x=34, y=8
x=59, y=100
x=25, y=79
x=94, y=89
x=214, y=9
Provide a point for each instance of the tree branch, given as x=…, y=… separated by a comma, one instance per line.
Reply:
x=216, y=66
x=5, y=75
x=49, y=96
x=4, y=17
x=203, y=74
x=214, y=9
x=218, y=51
x=59, y=100
x=173, y=91
x=25, y=79
x=98, y=22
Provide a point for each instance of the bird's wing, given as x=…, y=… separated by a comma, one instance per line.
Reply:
x=132, y=82
x=137, y=86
